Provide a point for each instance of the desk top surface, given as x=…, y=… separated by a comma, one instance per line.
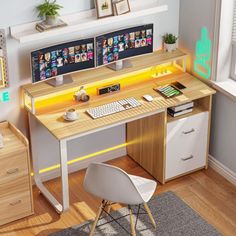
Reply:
x=62, y=129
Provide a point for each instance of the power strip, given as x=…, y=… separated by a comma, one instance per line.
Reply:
x=109, y=89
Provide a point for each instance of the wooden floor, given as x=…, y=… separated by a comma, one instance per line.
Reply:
x=205, y=191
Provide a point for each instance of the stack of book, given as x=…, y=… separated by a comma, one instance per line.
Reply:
x=42, y=26
x=181, y=109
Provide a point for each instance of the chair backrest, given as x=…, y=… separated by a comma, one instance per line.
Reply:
x=111, y=183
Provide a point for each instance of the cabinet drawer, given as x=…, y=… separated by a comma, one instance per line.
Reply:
x=13, y=167
x=186, y=145
x=15, y=207
x=15, y=187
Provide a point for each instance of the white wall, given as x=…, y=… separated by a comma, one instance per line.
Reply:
x=223, y=136
x=195, y=14
x=13, y=12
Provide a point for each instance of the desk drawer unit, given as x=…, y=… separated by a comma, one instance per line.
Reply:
x=186, y=145
x=15, y=181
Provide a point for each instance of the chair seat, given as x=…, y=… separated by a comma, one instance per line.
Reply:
x=112, y=184
x=146, y=187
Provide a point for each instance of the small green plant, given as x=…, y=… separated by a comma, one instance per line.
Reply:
x=49, y=8
x=169, y=38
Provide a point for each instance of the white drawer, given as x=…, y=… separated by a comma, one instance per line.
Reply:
x=186, y=144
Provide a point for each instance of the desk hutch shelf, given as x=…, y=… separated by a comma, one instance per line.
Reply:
x=90, y=79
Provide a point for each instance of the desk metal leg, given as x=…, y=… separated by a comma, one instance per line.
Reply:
x=60, y=208
x=42, y=188
x=64, y=175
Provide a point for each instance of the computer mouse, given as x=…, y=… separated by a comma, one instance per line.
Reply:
x=148, y=97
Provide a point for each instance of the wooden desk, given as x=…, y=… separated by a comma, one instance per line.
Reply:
x=149, y=114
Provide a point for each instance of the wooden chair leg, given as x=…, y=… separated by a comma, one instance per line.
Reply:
x=132, y=223
x=96, y=219
x=150, y=215
x=109, y=207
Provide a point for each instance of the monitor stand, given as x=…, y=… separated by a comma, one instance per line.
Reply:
x=120, y=65
x=60, y=80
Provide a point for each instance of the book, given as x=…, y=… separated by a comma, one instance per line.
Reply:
x=180, y=113
x=42, y=26
x=182, y=107
x=168, y=91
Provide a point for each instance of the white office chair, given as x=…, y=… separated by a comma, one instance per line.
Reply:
x=113, y=185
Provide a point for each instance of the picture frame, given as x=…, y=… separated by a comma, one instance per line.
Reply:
x=122, y=7
x=104, y=8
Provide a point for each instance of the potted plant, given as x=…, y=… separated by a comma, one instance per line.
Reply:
x=169, y=42
x=49, y=10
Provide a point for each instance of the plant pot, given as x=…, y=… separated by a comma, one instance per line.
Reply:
x=169, y=47
x=51, y=20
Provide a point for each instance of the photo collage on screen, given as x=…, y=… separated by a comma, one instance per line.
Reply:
x=113, y=47
x=51, y=62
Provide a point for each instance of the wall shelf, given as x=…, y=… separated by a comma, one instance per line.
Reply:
x=85, y=20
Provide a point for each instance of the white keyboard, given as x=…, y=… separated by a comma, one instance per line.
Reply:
x=112, y=108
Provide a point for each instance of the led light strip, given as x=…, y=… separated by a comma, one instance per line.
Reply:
x=82, y=158
x=203, y=55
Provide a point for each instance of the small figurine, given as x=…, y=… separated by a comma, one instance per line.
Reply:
x=81, y=95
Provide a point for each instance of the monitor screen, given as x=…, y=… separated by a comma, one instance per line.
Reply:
x=124, y=43
x=62, y=59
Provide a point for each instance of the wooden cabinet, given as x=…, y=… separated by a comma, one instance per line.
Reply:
x=186, y=144
x=168, y=147
x=146, y=143
x=15, y=182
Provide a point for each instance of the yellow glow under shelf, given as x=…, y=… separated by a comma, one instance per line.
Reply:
x=82, y=158
x=124, y=81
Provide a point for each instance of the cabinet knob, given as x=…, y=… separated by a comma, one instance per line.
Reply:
x=189, y=132
x=15, y=203
x=187, y=158
x=13, y=171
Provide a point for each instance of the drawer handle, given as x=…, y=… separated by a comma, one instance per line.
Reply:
x=10, y=172
x=187, y=158
x=15, y=203
x=189, y=132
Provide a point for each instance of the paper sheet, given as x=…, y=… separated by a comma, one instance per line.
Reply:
x=182, y=98
x=205, y=91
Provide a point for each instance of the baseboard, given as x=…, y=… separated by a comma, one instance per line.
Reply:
x=222, y=170
x=84, y=164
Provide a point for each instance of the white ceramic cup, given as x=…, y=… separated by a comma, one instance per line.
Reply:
x=71, y=114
